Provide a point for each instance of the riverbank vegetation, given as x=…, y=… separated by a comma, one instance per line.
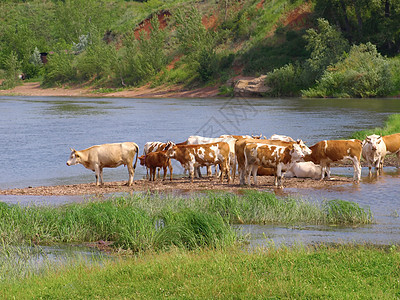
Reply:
x=157, y=222
x=340, y=272
x=315, y=49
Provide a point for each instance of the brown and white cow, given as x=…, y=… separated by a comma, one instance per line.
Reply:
x=239, y=151
x=153, y=147
x=98, y=157
x=198, y=140
x=374, y=152
x=392, y=143
x=328, y=151
x=272, y=156
x=192, y=156
x=156, y=160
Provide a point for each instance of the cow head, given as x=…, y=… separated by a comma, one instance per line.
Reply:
x=171, y=152
x=168, y=145
x=142, y=159
x=374, y=140
x=303, y=147
x=297, y=153
x=74, y=158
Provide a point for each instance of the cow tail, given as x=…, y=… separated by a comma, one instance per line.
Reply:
x=137, y=154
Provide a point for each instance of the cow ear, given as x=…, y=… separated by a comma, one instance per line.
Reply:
x=72, y=150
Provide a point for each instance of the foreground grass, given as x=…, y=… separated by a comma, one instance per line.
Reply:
x=392, y=125
x=152, y=222
x=344, y=272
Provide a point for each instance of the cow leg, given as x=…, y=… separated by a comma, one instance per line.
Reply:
x=247, y=174
x=275, y=176
x=357, y=169
x=165, y=172
x=131, y=172
x=254, y=171
x=170, y=171
x=279, y=176
x=233, y=168
x=209, y=171
x=191, y=172
x=151, y=174
x=158, y=173
x=97, y=172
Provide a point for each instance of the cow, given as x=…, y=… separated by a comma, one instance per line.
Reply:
x=304, y=169
x=272, y=156
x=283, y=138
x=198, y=140
x=241, y=137
x=98, y=157
x=239, y=151
x=328, y=151
x=193, y=156
x=392, y=143
x=374, y=152
x=261, y=171
x=153, y=147
x=155, y=160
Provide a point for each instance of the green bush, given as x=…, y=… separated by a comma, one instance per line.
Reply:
x=12, y=70
x=362, y=73
x=285, y=81
x=59, y=68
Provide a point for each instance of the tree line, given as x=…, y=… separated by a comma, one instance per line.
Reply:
x=348, y=48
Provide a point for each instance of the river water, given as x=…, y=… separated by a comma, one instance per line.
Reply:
x=36, y=134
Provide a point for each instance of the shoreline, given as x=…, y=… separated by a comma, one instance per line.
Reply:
x=181, y=185
x=176, y=91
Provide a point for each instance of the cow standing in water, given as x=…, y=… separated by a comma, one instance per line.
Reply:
x=98, y=157
x=374, y=152
x=392, y=143
x=328, y=151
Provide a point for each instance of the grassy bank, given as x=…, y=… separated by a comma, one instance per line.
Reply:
x=392, y=125
x=156, y=222
x=345, y=272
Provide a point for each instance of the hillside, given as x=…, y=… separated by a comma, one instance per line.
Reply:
x=177, y=45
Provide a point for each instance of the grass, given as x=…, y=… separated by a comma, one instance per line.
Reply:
x=342, y=272
x=392, y=125
x=145, y=222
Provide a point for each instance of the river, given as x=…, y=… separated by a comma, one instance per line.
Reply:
x=36, y=135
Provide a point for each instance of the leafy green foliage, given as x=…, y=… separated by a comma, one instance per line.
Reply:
x=362, y=73
x=12, y=71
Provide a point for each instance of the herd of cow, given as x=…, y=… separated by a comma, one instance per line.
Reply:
x=252, y=155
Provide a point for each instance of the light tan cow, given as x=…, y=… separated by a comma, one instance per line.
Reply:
x=392, y=143
x=272, y=156
x=98, y=157
x=193, y=156
x=374, y=152
x=328, y=151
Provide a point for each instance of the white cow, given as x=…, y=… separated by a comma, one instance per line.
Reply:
x=283, y=138
x=98, y=157
x=304, y=169
x=198, y=140
x=374, y=152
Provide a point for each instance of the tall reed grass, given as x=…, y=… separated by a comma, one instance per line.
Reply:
x=142, y=222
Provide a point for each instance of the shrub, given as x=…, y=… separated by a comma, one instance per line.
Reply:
x=12, y=71
x=285, y=81
x=362, y=73
x=59, y=69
